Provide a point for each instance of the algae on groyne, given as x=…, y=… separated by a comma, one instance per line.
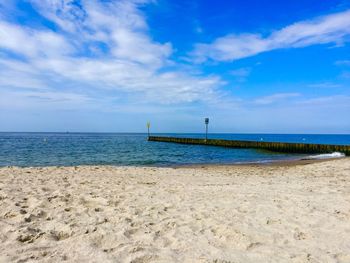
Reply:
x=271, y=146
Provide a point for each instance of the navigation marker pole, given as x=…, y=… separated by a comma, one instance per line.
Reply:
x=206, y=120
x=148, y=126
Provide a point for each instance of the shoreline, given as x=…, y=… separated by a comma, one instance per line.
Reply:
x=282, y=162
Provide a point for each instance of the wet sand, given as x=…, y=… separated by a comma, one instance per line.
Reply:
x=249, y=213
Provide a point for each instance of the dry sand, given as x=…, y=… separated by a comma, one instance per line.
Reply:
x=295, y=213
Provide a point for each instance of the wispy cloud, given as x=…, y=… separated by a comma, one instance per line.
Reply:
x=241, y=74
x=32, y=43
x=287, y=112
x=342, y=63
x=327, y=101
x=330, y=29
x=345, y=75
x=326, y=85
x=43, y=100
x=197, y=27
x=275, y=98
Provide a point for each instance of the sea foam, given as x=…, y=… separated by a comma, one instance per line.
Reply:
x=325, y=156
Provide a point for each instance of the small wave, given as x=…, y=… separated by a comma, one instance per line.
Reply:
x=268, y=161
x=325, y=156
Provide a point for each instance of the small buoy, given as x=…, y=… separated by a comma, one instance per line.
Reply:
x=45, y=140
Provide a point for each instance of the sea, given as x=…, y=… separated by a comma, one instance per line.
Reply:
x=133, y=149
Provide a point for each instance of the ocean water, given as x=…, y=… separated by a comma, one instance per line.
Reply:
x=66, y=149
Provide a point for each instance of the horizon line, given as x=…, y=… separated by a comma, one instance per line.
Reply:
x=267, y=133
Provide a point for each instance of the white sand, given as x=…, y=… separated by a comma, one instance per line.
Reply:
x=215, y=214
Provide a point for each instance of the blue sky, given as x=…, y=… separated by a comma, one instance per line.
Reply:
x=99, y=65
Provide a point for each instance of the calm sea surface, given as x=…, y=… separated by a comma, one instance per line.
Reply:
x=46, y=149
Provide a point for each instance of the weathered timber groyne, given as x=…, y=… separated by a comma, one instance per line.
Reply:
x=271, y=146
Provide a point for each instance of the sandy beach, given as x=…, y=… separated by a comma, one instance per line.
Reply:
x=279, y=213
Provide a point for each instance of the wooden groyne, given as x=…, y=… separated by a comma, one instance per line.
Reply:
x=271, y=146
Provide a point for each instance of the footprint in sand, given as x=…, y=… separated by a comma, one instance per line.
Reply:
x=30, y=235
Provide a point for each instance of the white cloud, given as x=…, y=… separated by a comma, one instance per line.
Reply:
x=330, y=29
x=118, y=25
x=98, y=46
x=32, y=43
x=18, y=80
